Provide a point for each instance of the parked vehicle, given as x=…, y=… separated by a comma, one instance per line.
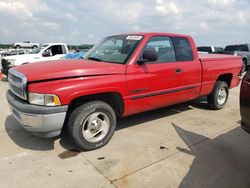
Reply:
x=75, y=55
x=9, y=52
x=242, y=50
x=120, y=76
x=210, y=49
x=26, y=44
x=50, y=51
x=245, y=102
x=3, y=52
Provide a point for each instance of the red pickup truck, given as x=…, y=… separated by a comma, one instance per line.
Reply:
x=121, y=75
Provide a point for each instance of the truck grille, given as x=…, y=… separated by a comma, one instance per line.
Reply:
x=18, y=83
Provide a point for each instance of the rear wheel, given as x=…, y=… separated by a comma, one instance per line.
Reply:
x=92, y=125
x=218, y=98
x=35, y=46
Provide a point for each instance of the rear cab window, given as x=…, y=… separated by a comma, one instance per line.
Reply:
x=183, y=49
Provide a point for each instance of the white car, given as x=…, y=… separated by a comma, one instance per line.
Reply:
x=26, y=44
x=50, y=51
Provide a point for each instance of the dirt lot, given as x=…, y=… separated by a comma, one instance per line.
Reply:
x=185, y=145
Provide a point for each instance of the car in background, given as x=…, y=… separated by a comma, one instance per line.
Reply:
x=209, y=50
x=242, y=50
x=245, y=102
x=9, y=52
x=46, y=52
x=26, y=44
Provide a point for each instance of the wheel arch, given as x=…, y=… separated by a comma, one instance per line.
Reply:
x=114, y=99
x=226, y=78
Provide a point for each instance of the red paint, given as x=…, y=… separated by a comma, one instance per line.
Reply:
x=76, y=78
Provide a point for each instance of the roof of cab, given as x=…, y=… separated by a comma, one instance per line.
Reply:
x=153, y=33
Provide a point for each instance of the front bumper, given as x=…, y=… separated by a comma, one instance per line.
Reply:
x=39, y=120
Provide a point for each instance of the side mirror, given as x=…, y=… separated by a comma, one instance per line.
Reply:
x=46, y=53
x=148, y=55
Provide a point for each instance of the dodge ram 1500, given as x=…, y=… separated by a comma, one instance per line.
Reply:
x=121, y=75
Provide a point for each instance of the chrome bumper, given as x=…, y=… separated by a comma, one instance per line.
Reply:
x=39, y=120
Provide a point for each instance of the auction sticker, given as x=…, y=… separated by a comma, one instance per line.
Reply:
x=134, y=37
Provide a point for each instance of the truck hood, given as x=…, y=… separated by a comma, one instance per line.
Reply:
x=57, y=69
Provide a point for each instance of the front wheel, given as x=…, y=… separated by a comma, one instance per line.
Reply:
x=17, y=47
x=218, y=98
x=92, y=125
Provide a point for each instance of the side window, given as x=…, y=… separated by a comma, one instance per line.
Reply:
x=183, y=49
x=57, y=49
x=164, y=48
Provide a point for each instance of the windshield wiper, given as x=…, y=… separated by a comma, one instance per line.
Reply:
x=94, y=58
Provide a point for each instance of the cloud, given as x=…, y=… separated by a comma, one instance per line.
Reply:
x=222, y=2
x=15, y=10
x=93, y=37
x=210, y=22
x=51, y=25
x=204, y=26
x=70, y=17
x=165, y=8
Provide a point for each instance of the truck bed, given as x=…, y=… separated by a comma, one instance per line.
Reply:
x=217, y=64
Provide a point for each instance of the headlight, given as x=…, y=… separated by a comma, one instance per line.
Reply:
x=44, y=99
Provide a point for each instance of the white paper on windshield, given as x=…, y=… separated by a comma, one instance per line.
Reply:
x=134, y=37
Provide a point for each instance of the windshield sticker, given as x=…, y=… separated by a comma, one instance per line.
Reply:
x=133, y=37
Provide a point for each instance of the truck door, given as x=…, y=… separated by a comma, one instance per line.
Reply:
x=188, y=68
x=159, y=83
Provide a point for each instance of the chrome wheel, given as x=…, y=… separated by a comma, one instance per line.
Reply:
x=95, y=127
x=222, y=96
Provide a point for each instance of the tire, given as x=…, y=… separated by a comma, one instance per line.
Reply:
x=218, y=98
x=17, y=46
x=35, y=46
x=92, y=125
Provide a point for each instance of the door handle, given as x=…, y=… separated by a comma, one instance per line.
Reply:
x=178, y=70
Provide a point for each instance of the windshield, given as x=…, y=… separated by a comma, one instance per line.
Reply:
x=37, y=50
x=114, y=49
x=242, y=47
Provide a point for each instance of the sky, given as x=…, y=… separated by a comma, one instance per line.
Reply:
x=209, y=22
